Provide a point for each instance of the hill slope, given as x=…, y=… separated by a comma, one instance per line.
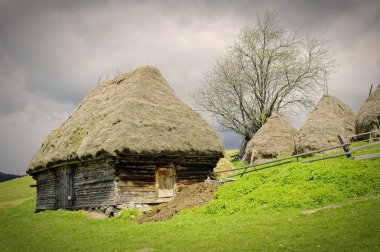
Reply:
x=6, y=176
x=16, y=191
x=298, y=186
x=261, y=212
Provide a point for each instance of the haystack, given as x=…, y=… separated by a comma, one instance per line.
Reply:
x=223, y=168
x=368, y=118
x=275, y=138
x=130, y=140
x=330, y=118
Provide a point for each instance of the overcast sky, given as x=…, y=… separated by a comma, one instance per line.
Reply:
x=52, y=53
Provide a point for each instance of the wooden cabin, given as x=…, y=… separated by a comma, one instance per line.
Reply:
x=131, y=140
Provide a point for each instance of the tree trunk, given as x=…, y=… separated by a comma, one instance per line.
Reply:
x=243, y=147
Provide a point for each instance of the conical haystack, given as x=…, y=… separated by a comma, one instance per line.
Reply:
x=222, y=168
x=135, y=113
x=330, y=118
x=275, y=138
x=368, y=118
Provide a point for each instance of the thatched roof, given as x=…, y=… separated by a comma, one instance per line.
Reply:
x=368, y=118
x=330, y=118
x=136, y=112
x=275, y=138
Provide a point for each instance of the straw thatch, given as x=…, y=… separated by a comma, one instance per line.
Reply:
x=275, y=138
x=330, y=118
x=137, y=113
x=369, y=114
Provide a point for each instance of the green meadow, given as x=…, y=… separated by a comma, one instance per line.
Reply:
x=331, y=205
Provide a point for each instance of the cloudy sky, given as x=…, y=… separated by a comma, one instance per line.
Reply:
x=52, y=53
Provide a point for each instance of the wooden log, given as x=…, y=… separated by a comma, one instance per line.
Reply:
x=375, y=155
x=45, y=190
x=346, y=147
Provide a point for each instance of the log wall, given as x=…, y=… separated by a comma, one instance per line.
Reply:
x=136, y=176
x=192, y=173
x=117, y=181
x=135, y=183
x=94, y=184
x=45, y=190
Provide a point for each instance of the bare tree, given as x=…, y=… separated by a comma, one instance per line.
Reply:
x=268, y=69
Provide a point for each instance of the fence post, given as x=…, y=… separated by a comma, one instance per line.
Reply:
x=244, y=172
x=296, y=149
x=346, y=148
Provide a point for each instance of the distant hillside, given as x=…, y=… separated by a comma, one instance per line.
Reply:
x=6, y=177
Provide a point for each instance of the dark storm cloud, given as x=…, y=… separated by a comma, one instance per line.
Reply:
x=34, y=38
x=57, y=46
x=52, y=53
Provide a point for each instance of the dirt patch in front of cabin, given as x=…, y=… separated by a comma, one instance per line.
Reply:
x=193, y=195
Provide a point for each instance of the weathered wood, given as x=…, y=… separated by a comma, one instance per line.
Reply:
x=137, y=197
x=118, y=180
x=165, y=182
x=346, y=147
x=192, y=173
x=138, y=189
x=95, y=184
x=375, y=155
x=258, y=169
x=135, y=182
x=45, y=190
x=323, y=158
x=64, y=187
x=365, y=146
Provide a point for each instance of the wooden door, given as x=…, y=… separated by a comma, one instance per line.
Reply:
x=165, y=182
x=64, y=188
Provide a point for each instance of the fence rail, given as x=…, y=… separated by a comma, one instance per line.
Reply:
x=347, y=151
x=354, y=138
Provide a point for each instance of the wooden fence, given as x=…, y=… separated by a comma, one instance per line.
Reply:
x=345, y=145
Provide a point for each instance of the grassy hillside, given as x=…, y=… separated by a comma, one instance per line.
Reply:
x=264, y=211
x=300, y=186
x=16, y=190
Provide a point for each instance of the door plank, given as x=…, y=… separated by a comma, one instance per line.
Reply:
x=165, y=180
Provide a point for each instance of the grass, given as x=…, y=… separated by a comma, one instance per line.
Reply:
x=353, y=227
x=263, y=211
x=236, y=163
x=16, y=191
x=297, y=185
